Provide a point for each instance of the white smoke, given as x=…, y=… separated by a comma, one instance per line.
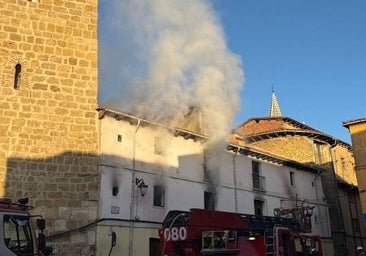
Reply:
x=165, y=56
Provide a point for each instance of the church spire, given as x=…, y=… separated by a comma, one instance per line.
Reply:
x=275, y=108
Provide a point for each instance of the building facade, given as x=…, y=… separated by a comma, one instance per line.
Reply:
x=86, y=180
x=49, y=144
x=287, y=138
x=357, y=130
x=174, y=164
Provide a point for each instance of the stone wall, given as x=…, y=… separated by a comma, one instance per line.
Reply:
x=49, y=128
x=297, y=148
x=337, y=165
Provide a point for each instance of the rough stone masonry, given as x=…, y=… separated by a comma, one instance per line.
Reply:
x=49, y=131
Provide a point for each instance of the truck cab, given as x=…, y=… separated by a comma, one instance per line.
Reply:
x=17, y=229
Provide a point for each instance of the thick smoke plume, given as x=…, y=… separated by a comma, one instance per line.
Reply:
x=165, y=56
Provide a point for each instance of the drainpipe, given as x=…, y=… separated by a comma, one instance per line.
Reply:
x=319, y=208
x=340, y=231
x=234, y=176
x=315, y=186
x=130, y=247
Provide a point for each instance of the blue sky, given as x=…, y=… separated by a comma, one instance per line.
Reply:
x=313, y=53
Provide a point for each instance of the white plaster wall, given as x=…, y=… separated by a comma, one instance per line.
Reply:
x=180, y=170
x=184, y=195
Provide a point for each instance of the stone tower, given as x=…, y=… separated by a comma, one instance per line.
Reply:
x=49, y=130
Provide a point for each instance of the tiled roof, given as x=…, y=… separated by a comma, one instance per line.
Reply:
x=302, y=130
x=354, y=121
x=248, y=151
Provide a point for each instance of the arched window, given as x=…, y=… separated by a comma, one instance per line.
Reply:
x=18, y=71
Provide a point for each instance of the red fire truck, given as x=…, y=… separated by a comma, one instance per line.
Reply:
x=207, y=232
x=17, y=231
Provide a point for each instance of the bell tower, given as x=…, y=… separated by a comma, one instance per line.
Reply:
x=49, y=128
x=274, y=110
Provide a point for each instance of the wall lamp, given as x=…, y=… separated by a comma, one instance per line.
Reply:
x=140, y=183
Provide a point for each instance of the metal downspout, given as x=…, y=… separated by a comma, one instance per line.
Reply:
x=235, y=186
x=132, y=209
x=319, y=208
x=342, y=232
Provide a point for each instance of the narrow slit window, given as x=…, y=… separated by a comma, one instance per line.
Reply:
x=17, y=75
x=119, y=138
x=292, y=179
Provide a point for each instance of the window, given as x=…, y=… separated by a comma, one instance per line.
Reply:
x=209, y=201
x=206, y=173
x=258, y=207
x=17, y=234
x=115, y=190
x=154, y=247
x=158, y=148
x=258, y=181
x=119, y=138
x=17, y=76
x=292, y=178
x=159, y=196
x=255, y=174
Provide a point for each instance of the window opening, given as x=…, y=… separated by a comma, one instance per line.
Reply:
x=255, y=174
x=292, y=178
x=209, y=200
x=206, y=171
x=17, y=234
x=258, y=207
x=258, y=181
x=17, y=76
x=119, y=138
x=159, y=196
x=115, y=190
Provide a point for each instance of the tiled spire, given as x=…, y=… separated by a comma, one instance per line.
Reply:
x=275, y=108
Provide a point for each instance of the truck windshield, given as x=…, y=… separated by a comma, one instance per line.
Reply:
x=17, y=234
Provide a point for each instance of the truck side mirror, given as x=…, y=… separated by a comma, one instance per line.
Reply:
x=41, y=224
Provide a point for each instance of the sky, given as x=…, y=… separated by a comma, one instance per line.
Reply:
x=311, y=53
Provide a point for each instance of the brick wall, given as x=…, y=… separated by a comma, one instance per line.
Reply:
x=49, y=135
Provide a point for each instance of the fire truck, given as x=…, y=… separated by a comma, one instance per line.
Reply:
x=208, y=232
x=17, y=229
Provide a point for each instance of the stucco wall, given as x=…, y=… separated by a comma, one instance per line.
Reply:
x=181, y=171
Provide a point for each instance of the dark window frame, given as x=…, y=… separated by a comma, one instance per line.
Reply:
x=259, y=205
x=159, y=196
x=209, y=200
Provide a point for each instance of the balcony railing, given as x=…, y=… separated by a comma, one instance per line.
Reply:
x=259, y=182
